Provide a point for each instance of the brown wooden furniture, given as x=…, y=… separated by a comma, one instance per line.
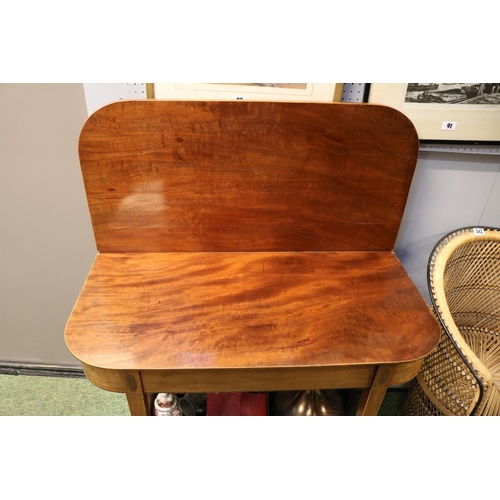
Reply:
x=247, y=246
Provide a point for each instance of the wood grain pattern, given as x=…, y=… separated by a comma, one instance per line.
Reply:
x=249, y=310
x=247, y=246
x=246, y=176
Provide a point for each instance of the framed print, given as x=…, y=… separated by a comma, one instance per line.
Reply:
x=445, y=112
x=320, y=92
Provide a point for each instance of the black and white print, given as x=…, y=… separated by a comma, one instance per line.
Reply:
x=453, y=93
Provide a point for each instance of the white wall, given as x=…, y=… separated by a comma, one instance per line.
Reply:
x=98, y=95
x=449, y=190
x=47, y=244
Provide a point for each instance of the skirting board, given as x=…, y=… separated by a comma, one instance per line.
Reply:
x=41, y=370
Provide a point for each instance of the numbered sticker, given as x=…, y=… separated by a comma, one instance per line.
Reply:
x=478, y=231
x=449, y=126
x=239, y=97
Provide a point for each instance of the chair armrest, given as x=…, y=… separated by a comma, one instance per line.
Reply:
x=452, y=375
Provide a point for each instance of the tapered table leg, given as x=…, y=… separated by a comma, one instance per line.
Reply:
x=138, y=400
x=372, y=397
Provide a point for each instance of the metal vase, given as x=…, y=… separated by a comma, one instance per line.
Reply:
x=194, y=404
x=309, y=403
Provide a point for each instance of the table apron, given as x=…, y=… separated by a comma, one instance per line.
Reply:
x=251, y=379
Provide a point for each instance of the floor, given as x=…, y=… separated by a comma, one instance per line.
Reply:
x=34, y=395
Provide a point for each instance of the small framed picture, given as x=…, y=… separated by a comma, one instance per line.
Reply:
x=445, y=112
x=319, y=92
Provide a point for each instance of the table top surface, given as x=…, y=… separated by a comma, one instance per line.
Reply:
x=247, y=235
x=248, y=310
x=246, y=176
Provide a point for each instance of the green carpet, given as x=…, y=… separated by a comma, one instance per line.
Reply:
x=22, y=395
x=31, y=395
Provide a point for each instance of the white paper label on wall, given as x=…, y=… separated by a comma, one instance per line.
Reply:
x=478, y=231
x=449, y=126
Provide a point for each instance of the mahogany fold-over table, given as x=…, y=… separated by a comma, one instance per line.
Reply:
x=248, y=246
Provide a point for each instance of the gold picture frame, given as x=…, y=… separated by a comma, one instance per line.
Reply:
x=294, y=92
x=442, y=112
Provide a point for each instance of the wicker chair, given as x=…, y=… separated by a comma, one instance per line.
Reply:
x=462, y=375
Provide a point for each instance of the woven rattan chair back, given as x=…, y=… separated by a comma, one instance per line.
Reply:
x=462, y=375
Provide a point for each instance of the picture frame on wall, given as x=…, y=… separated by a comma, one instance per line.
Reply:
x=294, y=92
x=445, y=112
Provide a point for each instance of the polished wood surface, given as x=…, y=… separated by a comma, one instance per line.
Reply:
x=249, y=310
x=246, y=176
x=247, y=246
